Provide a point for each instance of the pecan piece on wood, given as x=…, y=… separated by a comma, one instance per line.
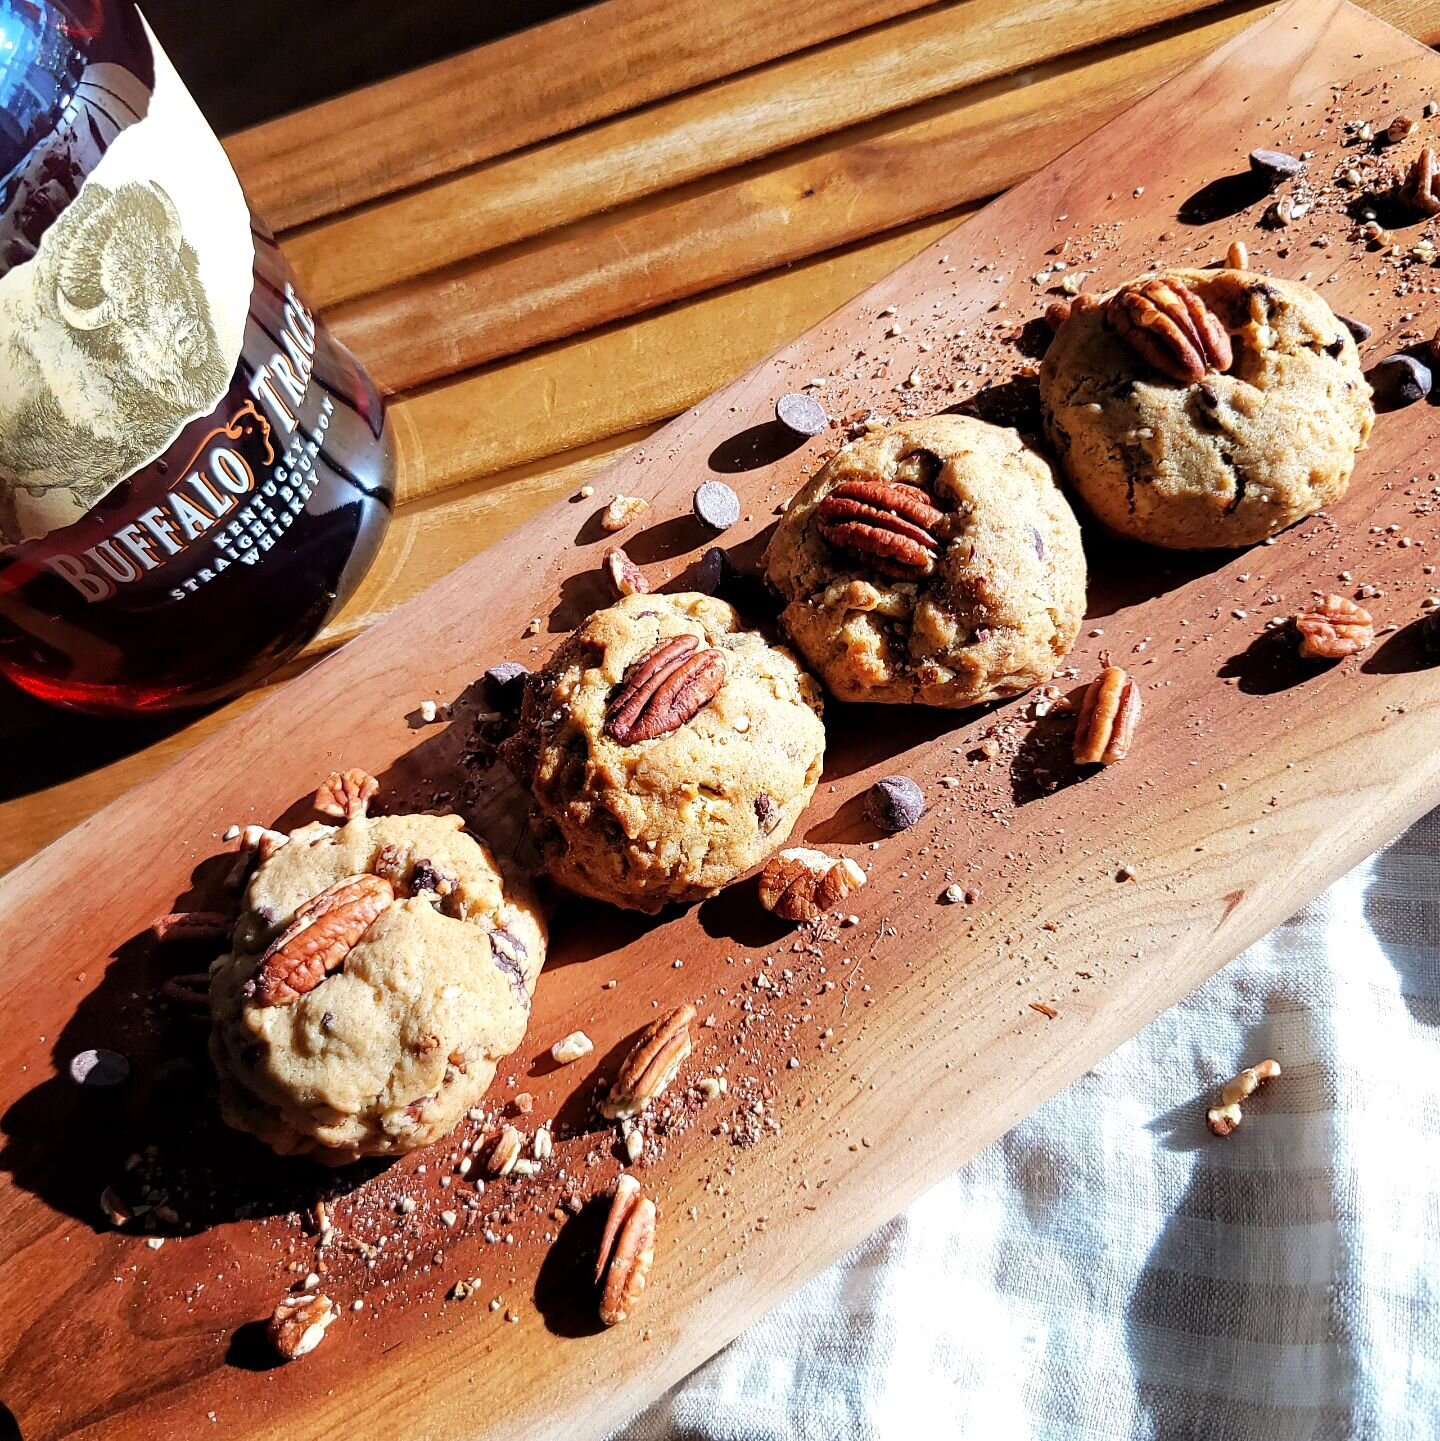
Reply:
x=626, y=577
x=658, y=1053
x=1333, y=628
x=1167, y=325
x=627, y=1251
x=621, y=511
x=800, y=884
x=1420, y=189
x=346, y=794
x=501, y=1159
x=1108, y=717
x=325, y=930
x=180, y=927
x=892, y=525
x=298, y=1325
x=191, y=989
x=666, y=688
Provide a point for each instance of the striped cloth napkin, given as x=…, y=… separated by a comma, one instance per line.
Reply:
x=1109, y=1270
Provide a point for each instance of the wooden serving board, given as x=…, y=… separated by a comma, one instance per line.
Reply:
x=1103, y=898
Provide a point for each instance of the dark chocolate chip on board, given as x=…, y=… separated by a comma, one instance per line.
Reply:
x=1400, y=380
x=505, y=685
x=716, y=505
x=801, y=413
x=894, y=803
x=1357, y=328
x=99, y=1069
x=1275, y=165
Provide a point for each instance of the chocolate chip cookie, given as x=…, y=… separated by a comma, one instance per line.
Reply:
x=1203, y=408
x=379, y=971
x=667, y=751
x=935, y=561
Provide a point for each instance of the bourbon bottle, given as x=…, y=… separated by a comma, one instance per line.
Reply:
x=194, y=474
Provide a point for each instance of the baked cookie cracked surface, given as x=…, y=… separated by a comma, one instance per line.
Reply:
x=667, y=751
x=1212, y=424
x=378, y=973
x=935, y=561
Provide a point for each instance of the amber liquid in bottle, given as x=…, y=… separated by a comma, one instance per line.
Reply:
x=161, y=544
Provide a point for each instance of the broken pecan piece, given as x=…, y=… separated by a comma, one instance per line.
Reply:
x=1333, y=628
x=627, y=1251
x=667, y=687
x=298, y=1325
x=892, y=525
x=346, y=794
x=1420, y=190
x=801, y=884
x=625, y=575
x=1225, y=1117
x=1167, y=325
x=325, y=930
x=621, y=511
x=658, y=1053
x=1108, y=717
x=262, y=841
x=505, y=1152
x=181, y=926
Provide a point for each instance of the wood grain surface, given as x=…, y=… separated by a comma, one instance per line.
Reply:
x=804, y=129
x=1103, y=897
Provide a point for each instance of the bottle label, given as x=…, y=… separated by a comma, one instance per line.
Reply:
x=127, y=324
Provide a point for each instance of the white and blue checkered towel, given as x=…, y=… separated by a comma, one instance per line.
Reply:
x=1109, y=1271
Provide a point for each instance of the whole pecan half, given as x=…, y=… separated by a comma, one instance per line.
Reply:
x=1419, y=189
x=801, y=884
x=666, y=688
x=1333, y=628
x=1166, y=324
x=325, y=930
x=1108, y=717
x=346, y=794
x=655, y=1058
x=627, y=1251
x=892, y=525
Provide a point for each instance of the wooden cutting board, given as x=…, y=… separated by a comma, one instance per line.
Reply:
x=914, y=1033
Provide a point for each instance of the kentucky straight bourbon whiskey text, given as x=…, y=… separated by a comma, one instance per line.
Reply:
x=193, y=473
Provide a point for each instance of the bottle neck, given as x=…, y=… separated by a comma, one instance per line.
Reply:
x=46, y=48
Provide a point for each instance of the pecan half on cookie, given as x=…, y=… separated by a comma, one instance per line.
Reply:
x=892, y=525
x=379, y=972
x=325, y=930
x=665, y=689
x=1168, y=326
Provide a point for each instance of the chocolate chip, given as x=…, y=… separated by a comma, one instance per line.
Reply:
x=427, y=877
x=1357, y=328
x=1429, y=629
x=801, y=413
x=710, y=573
x=767, y=812
x=505, y=685
x=510, y=955
x=1039, y=542
x=1275, y=165
x=99, y=1069
x=1400, y=380
x=894, y=804
x=716, y=505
